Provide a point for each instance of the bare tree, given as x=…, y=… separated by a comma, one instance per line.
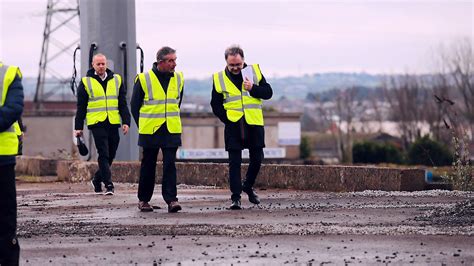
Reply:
x=438, y=113
x=325, y=114
x=406, y=98
x=374, y=101
x=345, y=109
x=458, y=60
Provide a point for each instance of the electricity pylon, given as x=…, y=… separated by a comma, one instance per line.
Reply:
x=62, y=31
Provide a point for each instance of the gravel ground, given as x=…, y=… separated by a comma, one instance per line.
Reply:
x=63, y=223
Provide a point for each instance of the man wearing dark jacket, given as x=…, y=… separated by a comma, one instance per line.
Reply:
x=11, y=107
x=101, y=100
x=155, y=104
x=237, y=102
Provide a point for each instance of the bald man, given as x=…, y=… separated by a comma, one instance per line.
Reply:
x=101, y=100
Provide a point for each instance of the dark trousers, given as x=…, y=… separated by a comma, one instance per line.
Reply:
x=106, y=141
x=235, y=162
x=146, y=184
x=9, y=247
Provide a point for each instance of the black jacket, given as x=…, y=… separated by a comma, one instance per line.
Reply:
x=11, y=112
x=162, y=138
x=240, y=135
x=83, y=99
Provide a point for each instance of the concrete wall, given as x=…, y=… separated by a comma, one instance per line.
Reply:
x=48, y=134
x=304, y=177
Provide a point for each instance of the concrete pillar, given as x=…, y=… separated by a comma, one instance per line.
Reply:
x=110, y=24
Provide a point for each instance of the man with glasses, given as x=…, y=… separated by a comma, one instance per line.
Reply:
x=155, y=104
x=237, y=102
x=101, y=101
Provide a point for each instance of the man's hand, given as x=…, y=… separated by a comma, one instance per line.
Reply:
x=125, y=129
x=248, y=84
x=77, y=133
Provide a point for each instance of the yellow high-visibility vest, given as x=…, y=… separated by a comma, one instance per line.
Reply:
x=238, y=103
x=160, y=107
x=102, y=104
x=9, y=138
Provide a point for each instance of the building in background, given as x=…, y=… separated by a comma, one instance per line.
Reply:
x=203, y=134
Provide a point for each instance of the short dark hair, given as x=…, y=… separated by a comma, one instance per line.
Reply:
x=164, y=51
x=234, y=50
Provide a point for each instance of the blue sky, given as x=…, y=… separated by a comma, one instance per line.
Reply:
x=285, y=37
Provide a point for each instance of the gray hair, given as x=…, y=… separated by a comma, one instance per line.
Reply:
x=98, y=55
x=164, y=51
x=234, y=50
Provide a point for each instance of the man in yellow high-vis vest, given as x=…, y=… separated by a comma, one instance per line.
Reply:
x=237, y=98
x=101, y=100
x=155, y=107
x=11, y=108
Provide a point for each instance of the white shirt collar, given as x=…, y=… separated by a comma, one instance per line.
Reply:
x=105, y=76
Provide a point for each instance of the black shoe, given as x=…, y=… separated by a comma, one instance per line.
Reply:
x=235, y=205
x=253, y=197
x=97, y=187
x=109, y=190
x=174, y=207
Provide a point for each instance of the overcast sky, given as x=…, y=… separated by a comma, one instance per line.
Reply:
x=285, y=37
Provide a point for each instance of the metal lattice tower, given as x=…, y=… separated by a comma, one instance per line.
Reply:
x=62, y=31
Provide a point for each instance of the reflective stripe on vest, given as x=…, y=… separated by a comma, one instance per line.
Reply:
x=238, y=103
x=160, y=107
x=102, y=105
x=8, y=138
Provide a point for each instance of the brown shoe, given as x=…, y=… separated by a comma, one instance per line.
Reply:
x=144, y=206
x=174, y=206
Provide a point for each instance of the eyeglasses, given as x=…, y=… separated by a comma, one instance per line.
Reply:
x=169, y=60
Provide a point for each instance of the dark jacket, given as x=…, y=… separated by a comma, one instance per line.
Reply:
x=240, y=135
x=162, y=138
x=83, y=99
x=11, y=112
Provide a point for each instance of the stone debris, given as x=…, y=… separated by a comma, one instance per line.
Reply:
x=456, y=214
x=293, y=227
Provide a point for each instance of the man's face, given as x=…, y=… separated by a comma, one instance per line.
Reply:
x=235, y=63
x=168, y=63
x=99, y=63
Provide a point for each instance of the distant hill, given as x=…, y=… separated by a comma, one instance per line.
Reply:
x=290, y=87
x=297, y=87
x=300, y=87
